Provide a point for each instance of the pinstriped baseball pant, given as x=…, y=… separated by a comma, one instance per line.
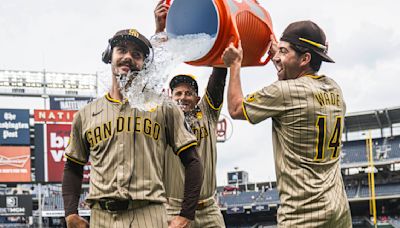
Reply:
x=149, y=216
x=207, y=217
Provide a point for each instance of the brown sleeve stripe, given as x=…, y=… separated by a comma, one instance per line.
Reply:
x=185, y=147
x=245, y=113
x=211, y=105
x=75, y=160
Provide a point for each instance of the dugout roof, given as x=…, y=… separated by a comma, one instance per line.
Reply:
x=374, y=119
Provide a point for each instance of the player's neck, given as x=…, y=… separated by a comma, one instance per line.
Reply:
x=115, y=92
x=307, y=72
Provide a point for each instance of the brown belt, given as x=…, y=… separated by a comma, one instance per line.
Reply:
x=204, y=203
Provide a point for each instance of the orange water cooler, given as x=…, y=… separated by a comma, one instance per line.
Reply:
x=227, y=21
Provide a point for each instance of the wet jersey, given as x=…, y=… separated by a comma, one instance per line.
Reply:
x=126, y=147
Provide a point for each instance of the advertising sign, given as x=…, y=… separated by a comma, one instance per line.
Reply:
x=14, y=127
x=15, y=164
x=259, y=208
x=39, y=152
x=235, y=210
x=57, y=140
x=15, y=205
x=224, y=128
x=65, y=116
x=68, y=103
x=57, y=137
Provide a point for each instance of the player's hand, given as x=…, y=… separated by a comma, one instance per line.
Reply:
x=76, y=221
x=233, y=55
x=160, y=15
x=179, y=222
x=273, y=49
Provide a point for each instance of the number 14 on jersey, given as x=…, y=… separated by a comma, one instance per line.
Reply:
x=334, y=139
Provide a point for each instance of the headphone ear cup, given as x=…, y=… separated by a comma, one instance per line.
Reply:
x=106, y=56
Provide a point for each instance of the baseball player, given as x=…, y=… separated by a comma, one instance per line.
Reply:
x=307, y=112
x=126, y=149
x=202, y=115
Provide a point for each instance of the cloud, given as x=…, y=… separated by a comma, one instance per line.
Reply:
x=366, y=45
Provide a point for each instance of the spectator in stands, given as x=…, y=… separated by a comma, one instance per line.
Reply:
x=307, y=112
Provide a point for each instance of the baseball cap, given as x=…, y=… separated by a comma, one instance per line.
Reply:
x=184, y=78
x=309, y=35
x=134, y=36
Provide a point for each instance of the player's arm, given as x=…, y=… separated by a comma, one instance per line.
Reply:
x=71, y=189
x=160, y=15
x=76, y=154
x=215, y=87
x=232, y=57
x=193, y=180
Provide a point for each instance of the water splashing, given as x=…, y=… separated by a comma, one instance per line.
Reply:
x=145, y=91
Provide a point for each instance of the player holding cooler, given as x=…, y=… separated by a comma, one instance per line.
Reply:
x=202, y=115
x=307, y=112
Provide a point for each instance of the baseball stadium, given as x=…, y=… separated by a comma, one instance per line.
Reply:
x=199, y=113
x=33, y=141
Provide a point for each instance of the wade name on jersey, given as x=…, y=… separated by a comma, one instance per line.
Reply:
x=325, y=98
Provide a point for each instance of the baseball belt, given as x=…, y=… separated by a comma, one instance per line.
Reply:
x=205, y=203
x=116, y=205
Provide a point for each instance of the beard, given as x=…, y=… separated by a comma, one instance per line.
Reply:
x=125, y=79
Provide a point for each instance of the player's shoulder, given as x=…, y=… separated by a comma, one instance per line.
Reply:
x=94, y=102
x=275, y=87
x=92, y=105
x=329, y=79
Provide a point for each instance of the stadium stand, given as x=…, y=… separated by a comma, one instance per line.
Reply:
x=395, y=221
x=352, y=191
x=250, y=198
x=269, y=196
x=54, y=202
x=384, y=149
x=239, y=199
x=381, y=190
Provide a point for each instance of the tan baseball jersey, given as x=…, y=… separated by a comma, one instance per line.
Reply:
x=126, y=147
x=204, y=127
x=307, y=123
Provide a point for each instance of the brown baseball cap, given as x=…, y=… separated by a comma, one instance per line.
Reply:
x=132, y=35
x=184, y=78
x=309, y=35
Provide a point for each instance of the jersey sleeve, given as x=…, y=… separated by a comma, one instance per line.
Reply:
x=77, y=150
x=178, y=132
x=265, y=103
x=212, y=112
x=213, y=98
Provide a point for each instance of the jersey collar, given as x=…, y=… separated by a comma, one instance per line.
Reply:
x=112, y=100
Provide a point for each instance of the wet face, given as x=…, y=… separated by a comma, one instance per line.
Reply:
x=287, y=62
x=127, y=57
x=185, y=96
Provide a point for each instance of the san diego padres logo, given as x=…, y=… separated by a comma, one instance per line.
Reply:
x=133, y=32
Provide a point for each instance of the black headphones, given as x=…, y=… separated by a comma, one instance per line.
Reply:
x=106, y=56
